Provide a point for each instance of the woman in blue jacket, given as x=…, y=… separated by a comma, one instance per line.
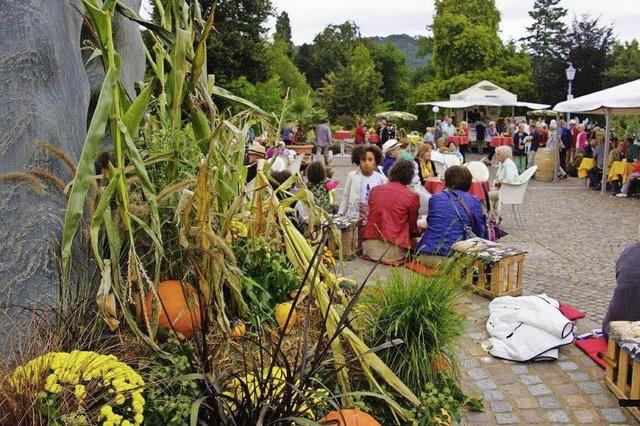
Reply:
x=452, y=214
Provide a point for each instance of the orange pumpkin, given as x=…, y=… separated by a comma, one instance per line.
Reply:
x=349, y=417
x=238, y=328
x=183, y=313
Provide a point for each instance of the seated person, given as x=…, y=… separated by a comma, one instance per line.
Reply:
x=317, y=184
x=255, y=153
x=426, y=167
x=452, y=213
x=633, y=176
x=618, y=154
x=454, y=150
x=393, y=215
x=507, y=173
x=626, y=296
x=442, y=146
x=391, y=150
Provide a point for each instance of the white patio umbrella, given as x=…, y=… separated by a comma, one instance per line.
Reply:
x=619, y=100
x=398, y=115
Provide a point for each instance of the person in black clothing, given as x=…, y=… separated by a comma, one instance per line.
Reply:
x=533, y=144
x=566, y=138
x=480, y=134
x=383, y=133
x=519, y=141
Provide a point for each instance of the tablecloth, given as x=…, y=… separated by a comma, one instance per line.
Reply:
x=458, y=140
x=621, y=168
x=341, y=134
x=497, y=141
x=435, y=185
x=585, y=165
x=373, y=138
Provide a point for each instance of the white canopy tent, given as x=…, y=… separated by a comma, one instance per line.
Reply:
x=619, y=100
x=484, y=93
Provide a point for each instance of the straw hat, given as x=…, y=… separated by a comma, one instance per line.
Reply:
x=257, y=149
x=389, y=145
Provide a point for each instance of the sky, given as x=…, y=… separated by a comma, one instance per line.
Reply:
x=383, y=17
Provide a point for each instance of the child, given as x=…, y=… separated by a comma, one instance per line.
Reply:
x=453, y=150
x=355, y=199
x=317, y=184
x=390, y=150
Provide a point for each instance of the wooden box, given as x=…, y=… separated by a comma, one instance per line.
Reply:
x=622, y=376
x=502, y=278
x=349, y=239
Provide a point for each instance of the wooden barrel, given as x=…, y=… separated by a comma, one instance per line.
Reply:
x=545, y=162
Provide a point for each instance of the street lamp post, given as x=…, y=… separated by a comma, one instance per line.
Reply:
x=571, y=73
x=435, y=110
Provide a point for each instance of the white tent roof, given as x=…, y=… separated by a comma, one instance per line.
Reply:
x=484, y=93
x=622, y=99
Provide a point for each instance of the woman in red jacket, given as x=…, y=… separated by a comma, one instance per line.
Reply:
x=361, y=133
x=393, y=216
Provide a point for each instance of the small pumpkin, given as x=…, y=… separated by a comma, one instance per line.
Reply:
x=349, y=417
x=183, y=312
x=238, y=328
x=282, y=313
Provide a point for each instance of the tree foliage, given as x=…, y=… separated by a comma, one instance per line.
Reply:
x=353, y=89
x=389, y=62
x=237, y=47
x=280, y=65
x=625, y=64
x=283, y=33
x=268, y=95
x=330, y=49
x=465, y=36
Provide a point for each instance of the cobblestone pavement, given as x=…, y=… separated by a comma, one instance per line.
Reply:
x=573, y=236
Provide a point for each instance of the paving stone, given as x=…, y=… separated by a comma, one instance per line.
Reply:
x=515, y=390
x=613, y=415
x=477, y=373
x=590, y=387
x=549, y=402
x=475, y=418
x=525, y=402
x=586, y=416
x=566, y=389
x=501, y=407
x=519, y=369
x=578, y=377
x=540, y=389
x=576, y=401
x=505, y=380
x=486, y=384
x=568, y=365
x=558, y=416
x=506, y=418
x=530, y=379
x=493, y=395
x=531, y=417
x=602, y=400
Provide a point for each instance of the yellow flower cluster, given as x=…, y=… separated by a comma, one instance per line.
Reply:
x=76, y=369
x=443, y=419
x=238, y=229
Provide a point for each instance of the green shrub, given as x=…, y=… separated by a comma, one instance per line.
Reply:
x=421, y=312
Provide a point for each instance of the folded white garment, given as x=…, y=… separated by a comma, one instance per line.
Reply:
x=527, y=328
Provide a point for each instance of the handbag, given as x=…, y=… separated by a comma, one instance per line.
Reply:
x=468, y=231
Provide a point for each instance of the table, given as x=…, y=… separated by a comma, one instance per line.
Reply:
x=435, y=185
x=585, y=165
x=497, y=141
x=458, y=140
x=621, y=168
x=341, y=134
x=373, y=138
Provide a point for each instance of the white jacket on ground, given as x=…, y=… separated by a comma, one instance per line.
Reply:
x=527, y=328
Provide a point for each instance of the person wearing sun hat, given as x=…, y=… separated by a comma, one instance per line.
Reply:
x=391, y=151
x=255, y=153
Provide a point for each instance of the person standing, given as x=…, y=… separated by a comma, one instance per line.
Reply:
x=437, y=131
x=480, y=136
x=448, y=129
x=519, y=141
x=555, y=144
x=490, y=133
x=361, y=133
x=533, y=144
x=383, y=133
x=565, y=137
x=323, y=140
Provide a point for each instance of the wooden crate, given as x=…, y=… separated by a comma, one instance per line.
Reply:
x=350, y=242
x=622, y=375
x=502, y=278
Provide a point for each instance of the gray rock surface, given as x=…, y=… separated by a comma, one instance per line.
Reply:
x=45, y=93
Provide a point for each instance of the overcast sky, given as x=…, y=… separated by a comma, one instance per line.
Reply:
x=380, y=17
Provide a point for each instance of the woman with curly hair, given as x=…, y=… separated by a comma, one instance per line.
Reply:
x=393, y=216
x=355, y=199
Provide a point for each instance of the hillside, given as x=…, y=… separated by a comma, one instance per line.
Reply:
x=408, y=45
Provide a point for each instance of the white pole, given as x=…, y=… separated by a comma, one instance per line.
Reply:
x=605, y=167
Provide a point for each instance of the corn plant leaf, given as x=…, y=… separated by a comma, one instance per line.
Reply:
x=99, y=21
x=166, y=36
x=95, y=136
x=225, y=94
x=136, y=111
x=175, y=79
x=200, y=58
x=98, y=217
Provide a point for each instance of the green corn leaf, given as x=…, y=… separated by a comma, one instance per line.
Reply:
x=225, y=94
x=99, y=21
x=178, y=73
x=200, y=58
x=166, y=36
x=98, y=216
x=136, y=111
x=95, y=136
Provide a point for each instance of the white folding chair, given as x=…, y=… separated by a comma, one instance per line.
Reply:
x=513, y=193
x=478, y=170
x=451, y=160
x=440, y=168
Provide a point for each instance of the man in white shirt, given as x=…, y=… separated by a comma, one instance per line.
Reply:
x=448, y=129
x=507, y=173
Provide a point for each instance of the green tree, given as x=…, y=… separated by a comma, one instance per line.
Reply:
x=237, y=46
x=331, y=48
x=590, y=45
x=353, y=89
x=280, y=65
x=268, y=94
x=283, y=33
x=465, y=36
x=625, y=64
x=546, y=43
x=390, y=64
